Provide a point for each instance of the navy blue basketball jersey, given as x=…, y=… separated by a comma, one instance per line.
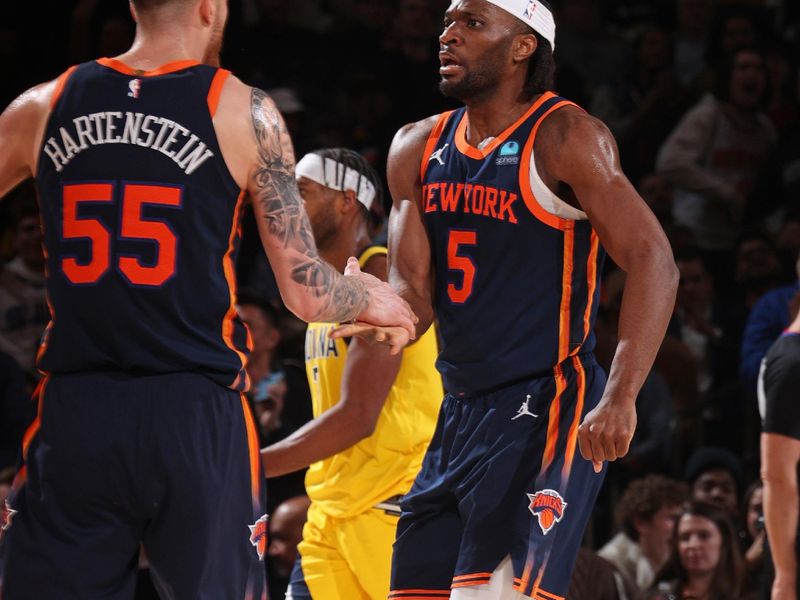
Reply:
x=517, y=287
x=141, y=225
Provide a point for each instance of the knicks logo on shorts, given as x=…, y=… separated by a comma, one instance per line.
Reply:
x=258, y=536
x=548, y=507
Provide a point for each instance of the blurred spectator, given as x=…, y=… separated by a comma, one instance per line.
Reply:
x=694, y=19
x=17, y=410
x=753, y=539
x=285, y=532
x=643, y=103
x=769, y=317
x=758, y=267
x=647, y=513
x=714, y=156
x=586, y=46
x=715, y=476
x=595, y=578
x=23, y=307
x=705, y=561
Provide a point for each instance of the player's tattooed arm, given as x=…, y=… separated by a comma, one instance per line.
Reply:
x=285, y=226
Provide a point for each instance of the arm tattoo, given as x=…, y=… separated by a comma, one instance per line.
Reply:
x=276, y=191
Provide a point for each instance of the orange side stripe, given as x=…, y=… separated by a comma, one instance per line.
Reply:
x=591, y=283
x=60, y=83
x=566, y=292
x=230, y=277
x=548, y=596
x=553, y=419
x=255, y=455
x=215, y=91
x=479, y=154
x=572, y=436
x=33, y=428
x=118, y=65
x=433, y=139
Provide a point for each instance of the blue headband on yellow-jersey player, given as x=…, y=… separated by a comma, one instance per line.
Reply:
x=534, y=13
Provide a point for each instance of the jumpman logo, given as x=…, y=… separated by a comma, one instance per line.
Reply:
x=524, y=411
x=438, y=154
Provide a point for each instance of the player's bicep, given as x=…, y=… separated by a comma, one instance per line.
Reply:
x=21, y=128
x=409, y=249
x=588, y=162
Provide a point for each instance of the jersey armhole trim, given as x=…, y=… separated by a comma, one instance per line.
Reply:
x=525, y=176
x=371, y=252
x=433, y=139
x=215, y=91
x=61, y=82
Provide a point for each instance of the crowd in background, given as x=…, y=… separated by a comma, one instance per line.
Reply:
x=703, y=98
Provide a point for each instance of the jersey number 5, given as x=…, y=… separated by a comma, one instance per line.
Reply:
x=461, y=264
x=133, y=227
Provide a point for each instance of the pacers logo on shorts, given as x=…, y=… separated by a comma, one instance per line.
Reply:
x=548, y=506
x=258, y=536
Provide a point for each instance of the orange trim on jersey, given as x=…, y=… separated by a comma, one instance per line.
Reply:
x=60, y=83
x=525, y=176
x=230, y=277
x=34, y=427
x=542, y=595
x=118, y=65
x=572, y=436
x=479, y=154
x=470, y=579
x=591, y=283
x=415, y=594
x=552, y=421
x=471, y=576
x=253, y=450
x=215, y=91
x=566, y=292
x=433, y=139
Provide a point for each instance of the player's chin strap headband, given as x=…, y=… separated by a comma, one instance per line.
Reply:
x=534, y=13
x=335, y=175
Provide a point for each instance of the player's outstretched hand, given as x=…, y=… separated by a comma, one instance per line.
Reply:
x=396, y=338
x=386, y=310
x=606, y=432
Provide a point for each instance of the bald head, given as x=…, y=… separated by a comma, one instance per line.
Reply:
x=149, y=5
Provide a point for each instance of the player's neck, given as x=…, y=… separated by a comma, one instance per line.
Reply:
x=352, y=240
x=794, y=327
x=489, y=117
x=151, y=50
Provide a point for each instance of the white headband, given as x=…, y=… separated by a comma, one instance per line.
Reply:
x=329, y=174
x=534, y=14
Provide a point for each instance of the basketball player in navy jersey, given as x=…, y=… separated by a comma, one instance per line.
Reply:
x=502, y=211
x=142, y=163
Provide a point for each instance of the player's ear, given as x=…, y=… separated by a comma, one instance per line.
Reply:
x=524, y=47
x=133, y=11
x=350, y=200
x=208, y=10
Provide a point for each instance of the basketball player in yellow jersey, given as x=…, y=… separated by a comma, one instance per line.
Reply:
x=374, y=413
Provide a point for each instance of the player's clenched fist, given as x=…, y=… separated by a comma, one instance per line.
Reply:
x=606, y=432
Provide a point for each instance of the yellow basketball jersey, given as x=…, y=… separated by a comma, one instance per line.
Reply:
x=386, y=463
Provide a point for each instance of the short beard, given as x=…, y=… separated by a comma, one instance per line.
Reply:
x=481, y=81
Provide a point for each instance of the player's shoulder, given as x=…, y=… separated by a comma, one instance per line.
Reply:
x=411, y=139
x=571, y=123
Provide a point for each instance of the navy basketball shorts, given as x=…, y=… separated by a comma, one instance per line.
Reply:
x=503, y=477
x=113, y=462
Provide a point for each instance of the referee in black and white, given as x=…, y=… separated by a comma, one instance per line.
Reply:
x=779, y=404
